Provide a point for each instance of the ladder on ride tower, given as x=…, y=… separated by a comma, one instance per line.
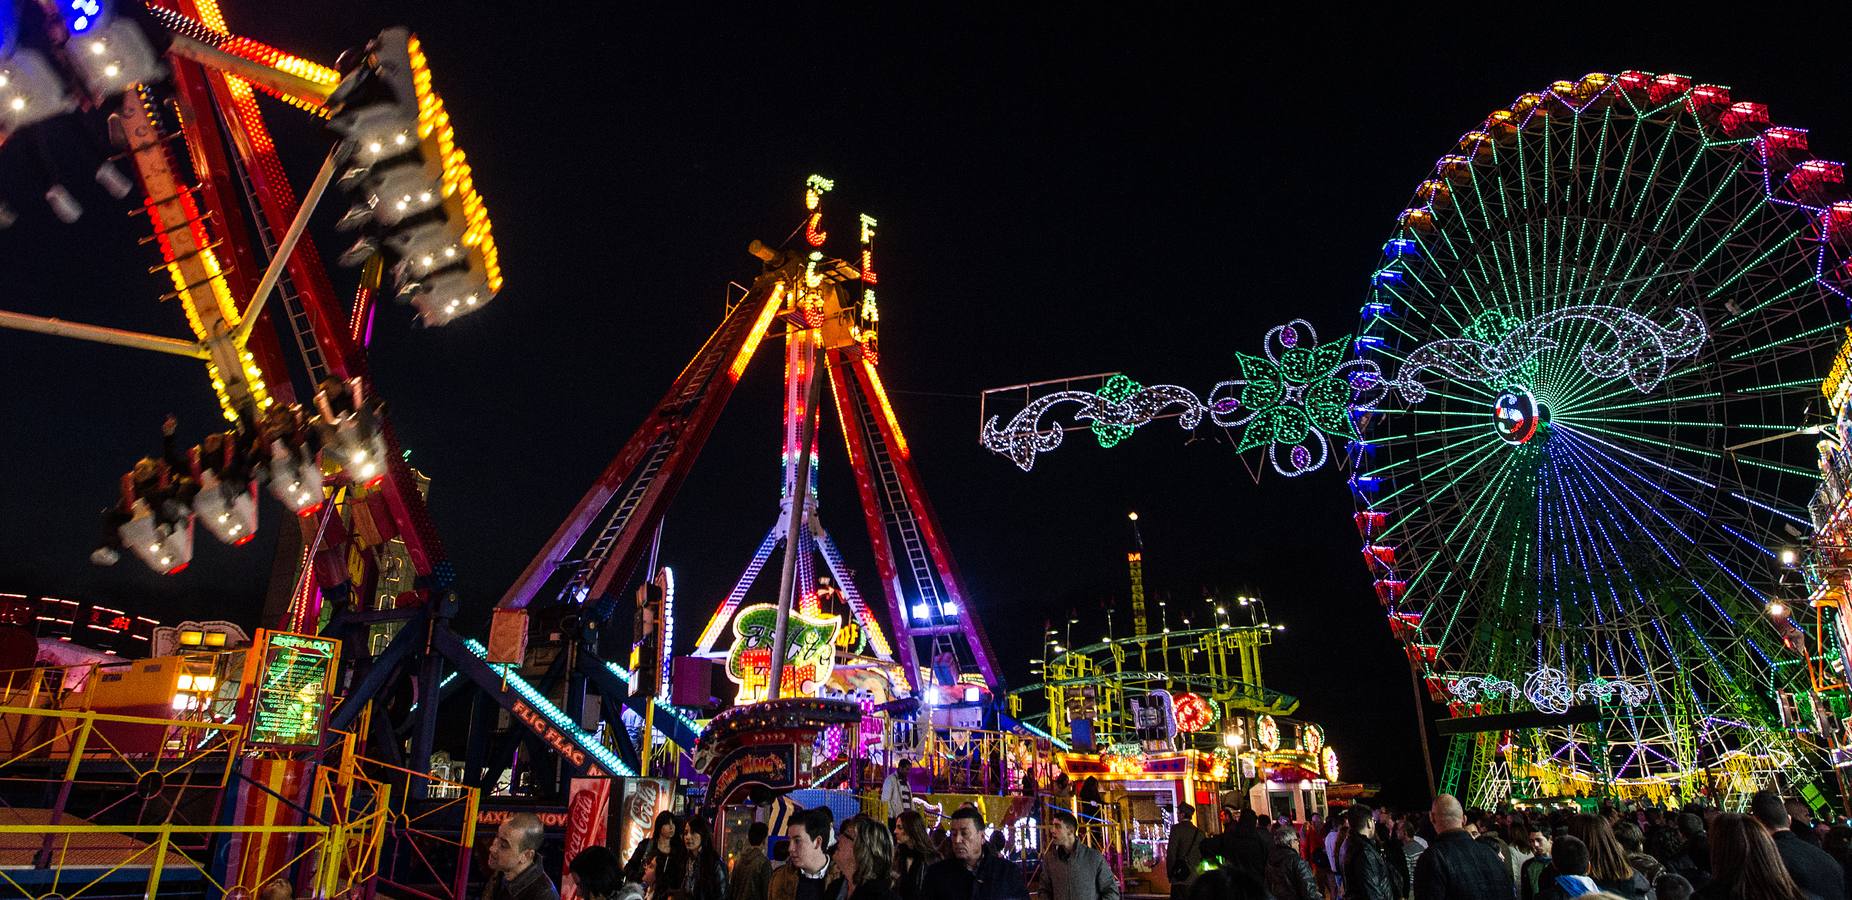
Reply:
x=301, y=329
x=575, y=589
x=932, y=613
x=899, y=513
x=651, y=464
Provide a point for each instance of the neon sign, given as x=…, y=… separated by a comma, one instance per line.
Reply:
x=810, y=652
x=293, y=677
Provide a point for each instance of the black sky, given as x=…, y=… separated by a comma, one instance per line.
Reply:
x=1059, y=194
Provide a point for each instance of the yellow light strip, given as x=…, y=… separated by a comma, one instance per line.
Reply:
x=887, y=409
x=458, y=185
x=772, y=305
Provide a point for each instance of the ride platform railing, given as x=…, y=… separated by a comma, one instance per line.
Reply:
x=98, y=804
x=429, y=840
x=958, y=760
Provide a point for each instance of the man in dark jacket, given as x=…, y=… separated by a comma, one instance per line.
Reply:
x=1811, y=868
x=751, y=877
x=514, y=857
x=1289, y=876
x=1072, y=870
x=1245, y=846
x=1366, y=875
x=1183, y=851
x=971, y=873
x=1456, y=867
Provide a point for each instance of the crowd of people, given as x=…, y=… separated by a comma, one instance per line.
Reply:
x=861, y=858
x=1775, y=851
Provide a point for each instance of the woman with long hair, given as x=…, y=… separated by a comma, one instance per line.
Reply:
x=652, y=856
x=865, y=857
x=915, y=851
x=696, y=871
x=1745, y=863
x=1607, y=859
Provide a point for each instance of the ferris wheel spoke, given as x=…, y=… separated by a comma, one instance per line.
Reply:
x=1609, y=481
x=1695, y=374
x=1724, y=568
x=1652, y=173
x=1471, y=569
x=1764, y=304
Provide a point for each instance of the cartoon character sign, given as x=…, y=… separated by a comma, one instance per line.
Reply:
x=810, y=652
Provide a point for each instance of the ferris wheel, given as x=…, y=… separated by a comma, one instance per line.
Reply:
x=1602, y=326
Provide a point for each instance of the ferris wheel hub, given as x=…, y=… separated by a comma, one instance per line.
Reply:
x=1517, y=416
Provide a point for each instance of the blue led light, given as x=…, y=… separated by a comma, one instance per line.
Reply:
x=82, y=16
x=1401, y=247
x=1375, y=309
x=552, y=713
x=9, y=27
x=1386, y=277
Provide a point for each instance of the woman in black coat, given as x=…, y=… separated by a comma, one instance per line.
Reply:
x=913, y=853
x=695, y=870
x=651, y=857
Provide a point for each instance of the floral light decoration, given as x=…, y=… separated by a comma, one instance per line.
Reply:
x=1311, y=738
x=1292, y=399
x=1299, y=395
x=1547, y=689
x=1194, y=711
x=1267, y=733
x=1330, y=764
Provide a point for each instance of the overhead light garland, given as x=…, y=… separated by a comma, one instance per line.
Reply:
x=1291, y=400
x=1547, y=689
x=1300, y=395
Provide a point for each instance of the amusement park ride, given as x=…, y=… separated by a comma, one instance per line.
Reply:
x=373, y=583
x=1162, y=704
x=1564, y=419
x=1567, y=417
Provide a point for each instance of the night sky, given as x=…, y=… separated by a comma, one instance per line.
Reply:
x=1147, y=192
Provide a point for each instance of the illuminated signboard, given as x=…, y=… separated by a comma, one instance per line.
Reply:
x=1838, y=386
x=290, y=677
x=810, y=652
x=644, y=799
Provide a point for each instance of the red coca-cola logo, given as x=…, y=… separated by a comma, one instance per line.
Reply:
x=640, y=812
x=578, y=823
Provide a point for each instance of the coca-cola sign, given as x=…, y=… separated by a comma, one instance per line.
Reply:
x=644, y=798
x=588, y=810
